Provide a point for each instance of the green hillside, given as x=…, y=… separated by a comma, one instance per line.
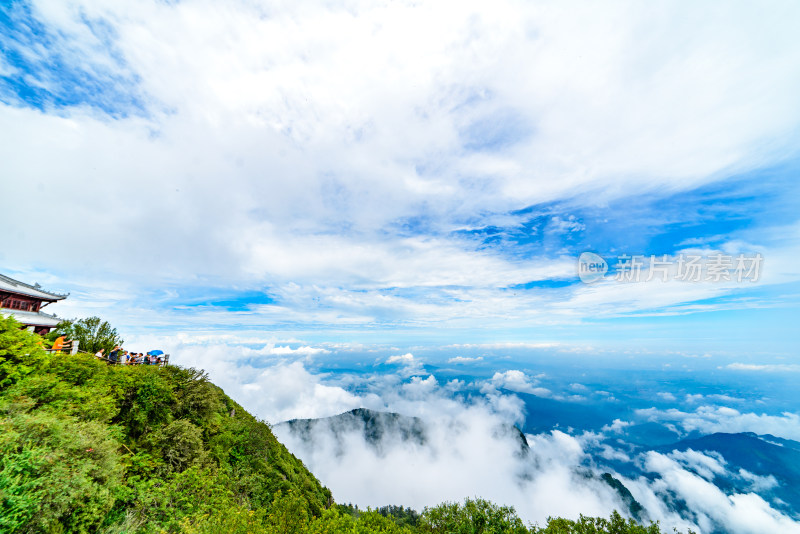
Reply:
x=88, y=447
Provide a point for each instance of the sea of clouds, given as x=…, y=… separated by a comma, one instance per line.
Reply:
x=468, y=451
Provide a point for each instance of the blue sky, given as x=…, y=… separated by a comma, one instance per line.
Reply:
x=318, y=175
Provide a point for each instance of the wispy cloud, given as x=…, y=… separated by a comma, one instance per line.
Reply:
x=465, y=359
x=767, y=368
x=710, y=419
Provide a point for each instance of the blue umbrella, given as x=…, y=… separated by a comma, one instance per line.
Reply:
x=155, y=352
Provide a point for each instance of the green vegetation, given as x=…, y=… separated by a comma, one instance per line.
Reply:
x=92, y=334
x=616, y=524
x=86, y=446
x=90, y=447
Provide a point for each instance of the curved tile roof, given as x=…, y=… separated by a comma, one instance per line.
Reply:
x=15, y=286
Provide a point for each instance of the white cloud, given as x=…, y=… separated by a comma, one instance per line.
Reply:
x=759, y=483
x=290, y=391
x=610, y=453
x=469, y=450
x=419, y=388
x=706, y=464
x=505, y=345
x=285, y=350
x=710, y=419
x=515, y=380
x=410, y=365
x=616, y=426
x=699, y=397
x=407, y=359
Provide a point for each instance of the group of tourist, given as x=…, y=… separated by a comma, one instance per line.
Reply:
x=123, y=357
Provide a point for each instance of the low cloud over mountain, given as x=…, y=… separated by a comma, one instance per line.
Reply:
x=415, y=433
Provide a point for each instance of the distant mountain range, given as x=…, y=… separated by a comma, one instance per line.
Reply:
x=763, y=464
x=762, y=455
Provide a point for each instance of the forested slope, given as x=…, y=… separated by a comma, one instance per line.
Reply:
x=86, y=445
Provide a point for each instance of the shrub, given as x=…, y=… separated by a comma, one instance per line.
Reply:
x=56, y=473
x=20, y=351
x=180, y=444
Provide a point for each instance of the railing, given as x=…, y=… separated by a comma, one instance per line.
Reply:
x=162, y=363
x=69, y=347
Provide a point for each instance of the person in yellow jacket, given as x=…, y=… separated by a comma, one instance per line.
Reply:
x=58, y=343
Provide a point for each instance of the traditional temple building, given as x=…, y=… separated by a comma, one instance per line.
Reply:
x=25, y=303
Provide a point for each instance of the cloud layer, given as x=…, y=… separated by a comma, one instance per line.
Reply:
x=355, y=173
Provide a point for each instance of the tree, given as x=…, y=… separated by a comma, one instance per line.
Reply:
x=92, y=334
x=475, y=516
x=616, y=524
